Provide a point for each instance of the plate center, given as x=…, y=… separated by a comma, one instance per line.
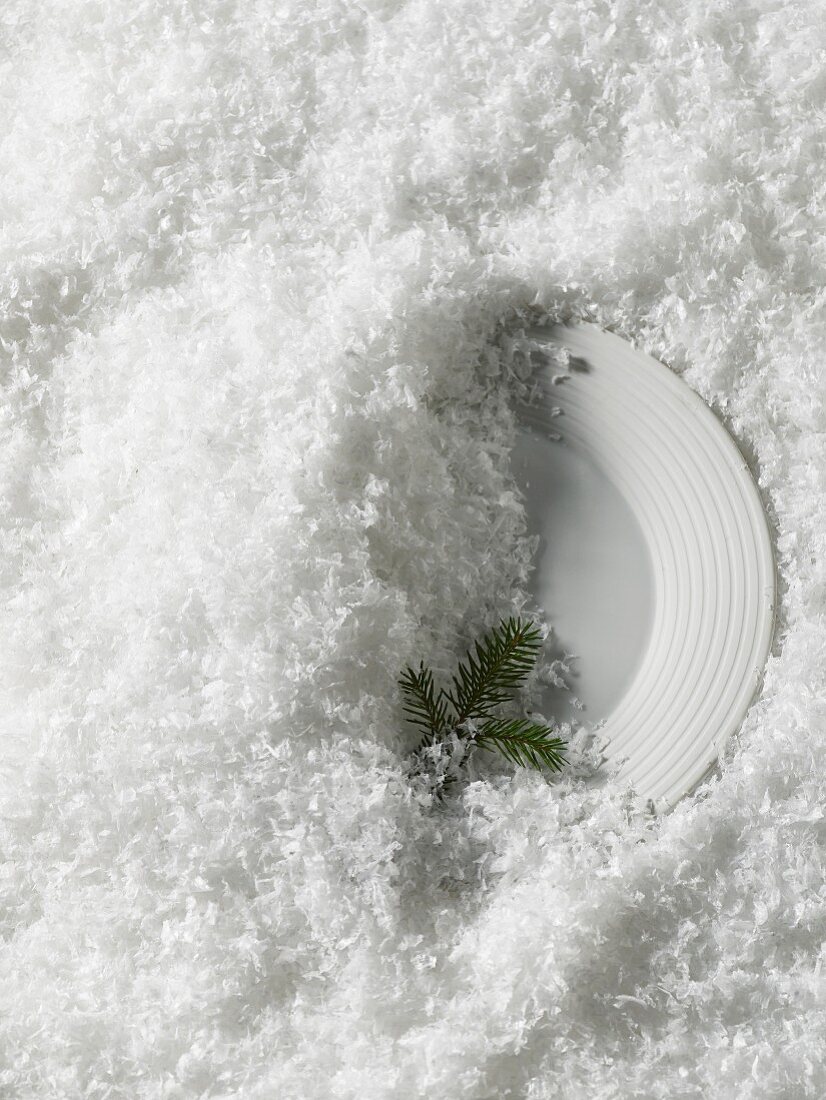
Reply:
x=593, y=575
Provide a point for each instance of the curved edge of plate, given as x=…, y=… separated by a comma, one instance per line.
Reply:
x=588, y=341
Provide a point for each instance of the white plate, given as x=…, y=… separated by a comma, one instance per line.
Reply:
x=654, y=564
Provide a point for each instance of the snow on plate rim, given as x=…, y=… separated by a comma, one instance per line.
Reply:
x=694, y=497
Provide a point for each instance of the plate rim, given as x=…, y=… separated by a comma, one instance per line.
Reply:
x=742, y=471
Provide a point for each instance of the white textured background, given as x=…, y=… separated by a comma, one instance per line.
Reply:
x=259, y=268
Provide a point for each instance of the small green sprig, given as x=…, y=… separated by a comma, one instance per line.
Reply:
x=489, y=676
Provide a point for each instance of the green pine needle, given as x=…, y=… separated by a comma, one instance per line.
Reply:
x=424, y=708
x=525, y=743
x=503, y=660
x=489, y=676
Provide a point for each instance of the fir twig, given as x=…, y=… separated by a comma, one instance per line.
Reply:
x=490, y=674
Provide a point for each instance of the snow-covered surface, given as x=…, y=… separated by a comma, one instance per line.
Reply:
x=263, y=268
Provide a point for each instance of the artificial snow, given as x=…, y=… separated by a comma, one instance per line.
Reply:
x=267, y=269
